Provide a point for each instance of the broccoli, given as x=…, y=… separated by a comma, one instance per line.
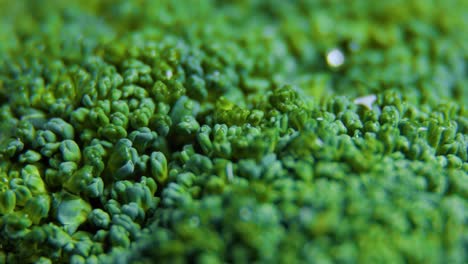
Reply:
x=233, y=131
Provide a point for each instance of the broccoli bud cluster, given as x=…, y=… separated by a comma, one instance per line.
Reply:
x=233, y=132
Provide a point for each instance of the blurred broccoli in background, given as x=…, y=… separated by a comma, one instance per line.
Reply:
x=210, y=131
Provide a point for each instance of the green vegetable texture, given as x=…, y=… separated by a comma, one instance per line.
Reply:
x=246, y=131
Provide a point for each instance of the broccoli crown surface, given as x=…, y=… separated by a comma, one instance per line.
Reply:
x=210, y=131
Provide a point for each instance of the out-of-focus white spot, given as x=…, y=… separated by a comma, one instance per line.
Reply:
x=319, y=118
x=366, y=101
x=229, y=172
x=335, y=58
x=319, y=142
x=168, y=74
x=422, y=129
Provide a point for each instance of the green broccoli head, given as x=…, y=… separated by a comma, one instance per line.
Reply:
x=249, y=131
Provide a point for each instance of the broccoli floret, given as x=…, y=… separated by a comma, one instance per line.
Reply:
x=218, y=131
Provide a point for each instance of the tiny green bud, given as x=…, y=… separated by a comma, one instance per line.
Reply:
x=99, y=218
x=72, y=211
x=203, y=137
x=32, y=179
x=30, y=156
x=13, y=147
x=122, y=160
x=119, y=237
x=7, y=202
x=37, y=208
x=23, y=194
x=95, y=188
x=70, y=151
x=188, y=125
x=158, y=166
x=60, y=127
